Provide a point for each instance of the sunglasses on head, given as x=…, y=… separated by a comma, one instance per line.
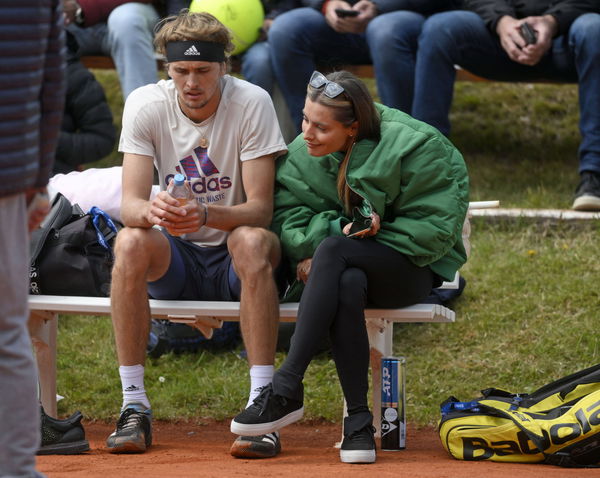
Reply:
x=332, y=89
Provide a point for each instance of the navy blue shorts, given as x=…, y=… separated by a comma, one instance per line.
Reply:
x=197, y=273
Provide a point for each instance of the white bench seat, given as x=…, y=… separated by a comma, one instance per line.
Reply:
x=206, y=315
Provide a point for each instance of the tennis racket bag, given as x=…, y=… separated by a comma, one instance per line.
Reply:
x=558, y=424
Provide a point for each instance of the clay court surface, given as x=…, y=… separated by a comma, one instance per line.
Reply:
x=191, y=450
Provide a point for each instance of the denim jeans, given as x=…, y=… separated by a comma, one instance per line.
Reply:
x=127, y=37
x=301, y=38
x=256, y=66
x=461, y=38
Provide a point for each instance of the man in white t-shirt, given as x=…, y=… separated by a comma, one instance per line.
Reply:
x=222, y=134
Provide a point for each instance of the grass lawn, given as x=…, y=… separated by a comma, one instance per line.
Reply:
x=527, y=316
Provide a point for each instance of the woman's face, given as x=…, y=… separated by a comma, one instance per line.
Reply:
x=322, y=133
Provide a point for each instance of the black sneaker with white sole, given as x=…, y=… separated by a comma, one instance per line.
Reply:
x=268, y=413
x=359, y=446
x=261, y=446
x=134, y=430
x=587, y=195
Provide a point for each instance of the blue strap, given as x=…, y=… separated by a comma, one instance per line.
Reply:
x=96, y=214
x=459, y=406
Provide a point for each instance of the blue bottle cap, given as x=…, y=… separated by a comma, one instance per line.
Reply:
x=179, y=179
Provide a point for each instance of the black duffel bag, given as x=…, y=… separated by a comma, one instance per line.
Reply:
x=71, y=252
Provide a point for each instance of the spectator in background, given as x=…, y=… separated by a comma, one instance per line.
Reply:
x=487, y=41
x=384, y=33
x=31, y=103
x=87, y=132
x=120, y=29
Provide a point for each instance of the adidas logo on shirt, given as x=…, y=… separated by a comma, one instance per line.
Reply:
x=191, y=51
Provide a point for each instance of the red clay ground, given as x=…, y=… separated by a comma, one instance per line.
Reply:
x=189, y=450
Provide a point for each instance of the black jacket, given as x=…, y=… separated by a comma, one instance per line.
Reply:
x=565, y=11
x=87, y=132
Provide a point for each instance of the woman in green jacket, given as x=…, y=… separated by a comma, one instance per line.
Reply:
x=369, y=207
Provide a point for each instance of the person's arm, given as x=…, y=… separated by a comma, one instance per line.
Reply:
x=138, y=175
x=566, y=11
x=491, y=11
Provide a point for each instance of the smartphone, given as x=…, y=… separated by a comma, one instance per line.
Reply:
x=361, y=223
x=343, y=13
x=528, y=34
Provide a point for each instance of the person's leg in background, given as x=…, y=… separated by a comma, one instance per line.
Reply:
x=393, y=40
x=257, y=67
x=298, y=39
x=19, y=406
x=129, y=41
x=584, y=40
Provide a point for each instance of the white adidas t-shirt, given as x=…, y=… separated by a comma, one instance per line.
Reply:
x=244, y=127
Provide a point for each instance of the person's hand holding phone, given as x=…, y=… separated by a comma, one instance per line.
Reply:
x=516, y=38
x=345, y=18
x=363, y=226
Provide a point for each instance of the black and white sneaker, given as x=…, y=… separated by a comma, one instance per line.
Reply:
x=134, y=430
x=359, y=446
x=268, y=413
x=587, y=195
x=261, y=446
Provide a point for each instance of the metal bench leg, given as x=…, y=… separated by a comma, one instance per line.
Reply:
x=42, y=329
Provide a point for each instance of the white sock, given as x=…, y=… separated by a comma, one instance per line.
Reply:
x=260, y=375
x=132, y=382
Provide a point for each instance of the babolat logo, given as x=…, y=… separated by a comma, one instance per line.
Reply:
x=583, y=421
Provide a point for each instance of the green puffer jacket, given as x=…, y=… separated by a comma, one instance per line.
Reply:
x=414, y=178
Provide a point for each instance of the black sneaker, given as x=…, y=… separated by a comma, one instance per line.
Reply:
x=359, y=446
x=587, y=195
x=62, y=437
x=267, y=414
x=261, y=446
x=134, y=430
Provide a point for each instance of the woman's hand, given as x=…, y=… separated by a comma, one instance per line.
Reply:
x=374, y=229
x=303, y=269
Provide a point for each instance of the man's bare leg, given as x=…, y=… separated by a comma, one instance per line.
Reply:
x=141, y=255
x=256, y=254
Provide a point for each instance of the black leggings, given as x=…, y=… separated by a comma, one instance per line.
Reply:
x=346, y=275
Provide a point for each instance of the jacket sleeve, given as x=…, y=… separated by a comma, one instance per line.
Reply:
x=92, y=134
x=52, y=96
x=306, y=209
x=491, y=11
x=567, y=11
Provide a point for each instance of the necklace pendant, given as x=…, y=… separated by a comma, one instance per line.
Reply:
x=204, y=143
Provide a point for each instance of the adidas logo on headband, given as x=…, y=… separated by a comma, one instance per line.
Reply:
x=191, y=51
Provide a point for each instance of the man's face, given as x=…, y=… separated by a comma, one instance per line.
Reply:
x=197, y=84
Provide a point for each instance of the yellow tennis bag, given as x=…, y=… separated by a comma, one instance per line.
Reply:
x=558, y=424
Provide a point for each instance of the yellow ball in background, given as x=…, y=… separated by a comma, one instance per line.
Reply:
x=244, y=18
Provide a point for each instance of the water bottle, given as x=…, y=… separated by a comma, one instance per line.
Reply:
x=178, y=190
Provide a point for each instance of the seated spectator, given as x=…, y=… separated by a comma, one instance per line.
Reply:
x=381, y=33
x=87, y=132
x=487, y=41
x=120, y=29
x=411, y=184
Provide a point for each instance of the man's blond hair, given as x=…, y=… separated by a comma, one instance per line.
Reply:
x=190, y=26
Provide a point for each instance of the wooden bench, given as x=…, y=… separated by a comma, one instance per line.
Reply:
x=45, y=309
x=207, y=315
x=362, y=71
